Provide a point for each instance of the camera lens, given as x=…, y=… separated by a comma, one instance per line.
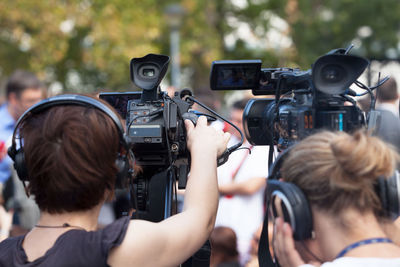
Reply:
x=148, y=72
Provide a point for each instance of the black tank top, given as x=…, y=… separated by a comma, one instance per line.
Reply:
x=72, y=248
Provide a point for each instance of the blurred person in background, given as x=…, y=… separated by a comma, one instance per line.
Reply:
x=387, y=97
x=388, y=125
x=241, y=182
x=224, y=251
x=23, y=89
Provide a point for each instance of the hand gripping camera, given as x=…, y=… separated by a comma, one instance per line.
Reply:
x=157, y=135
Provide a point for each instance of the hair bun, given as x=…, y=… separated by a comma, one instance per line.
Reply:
x=336, y=170
x=362, y=157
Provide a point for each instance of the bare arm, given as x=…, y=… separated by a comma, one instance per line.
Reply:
x=248, y=187
x=172, y=241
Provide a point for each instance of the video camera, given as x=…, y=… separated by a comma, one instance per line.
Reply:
x=304, y=100
x=157, y=135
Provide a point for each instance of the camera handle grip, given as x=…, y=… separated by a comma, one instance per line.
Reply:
x=190, y=116
x=193, y=116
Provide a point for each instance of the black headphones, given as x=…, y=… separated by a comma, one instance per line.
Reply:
x=18, y=156
x=296, y=208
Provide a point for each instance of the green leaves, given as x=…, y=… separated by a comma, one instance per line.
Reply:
x=87, y=45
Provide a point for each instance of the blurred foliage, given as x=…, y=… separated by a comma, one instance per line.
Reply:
x=86, y=45
x=316, y=27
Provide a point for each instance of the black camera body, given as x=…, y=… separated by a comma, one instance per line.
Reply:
x=302, y=101
x=155, y=126
x=156, y=133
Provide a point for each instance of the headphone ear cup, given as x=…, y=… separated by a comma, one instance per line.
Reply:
x=294, y=205
x=20, y=165
x=122, y=164
x=389, y=194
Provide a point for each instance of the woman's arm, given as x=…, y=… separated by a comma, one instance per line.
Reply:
x=172, y=241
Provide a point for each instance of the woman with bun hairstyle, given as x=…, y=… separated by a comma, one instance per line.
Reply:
x=338, y=174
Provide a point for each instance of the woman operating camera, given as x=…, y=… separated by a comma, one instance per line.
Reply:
x=70, y=152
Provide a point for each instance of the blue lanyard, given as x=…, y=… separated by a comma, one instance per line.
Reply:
x=362, y=243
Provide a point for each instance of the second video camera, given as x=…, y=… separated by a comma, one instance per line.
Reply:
x=303, y=100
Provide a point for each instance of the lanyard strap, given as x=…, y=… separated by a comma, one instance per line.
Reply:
x=362, y=243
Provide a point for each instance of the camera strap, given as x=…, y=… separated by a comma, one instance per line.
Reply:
x=264, y=255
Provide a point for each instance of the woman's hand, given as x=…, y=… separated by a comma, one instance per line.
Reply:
x=202, y=138
x=178, y=237
x=284, y=249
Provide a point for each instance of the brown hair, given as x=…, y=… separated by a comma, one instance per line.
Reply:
x=339, y=170
x=224, y=245
x=387, y=91
x=21, y=80
x=70, y=153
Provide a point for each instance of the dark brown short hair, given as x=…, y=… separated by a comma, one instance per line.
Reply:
x=21, y=80
x=387, y=91
x=70, y=153
x=224, y=243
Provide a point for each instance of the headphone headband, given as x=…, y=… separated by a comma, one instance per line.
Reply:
x=69, y=99
x=18, y=156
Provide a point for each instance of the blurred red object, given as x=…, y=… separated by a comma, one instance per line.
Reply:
x=3, y=150
x=226, y=127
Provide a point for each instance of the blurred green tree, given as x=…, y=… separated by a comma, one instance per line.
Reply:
x=86, y=45
x=314, y=27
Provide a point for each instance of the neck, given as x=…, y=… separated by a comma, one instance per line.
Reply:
x=333, y=234
x=83, y=219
